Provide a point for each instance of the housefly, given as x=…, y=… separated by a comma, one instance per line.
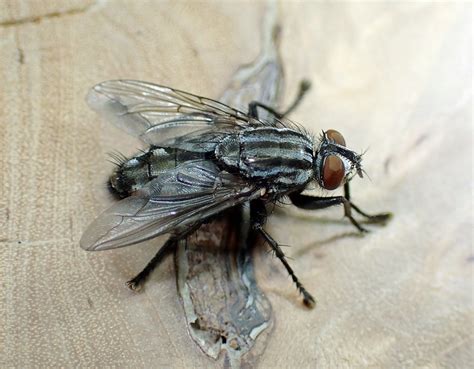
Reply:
x=205, y=157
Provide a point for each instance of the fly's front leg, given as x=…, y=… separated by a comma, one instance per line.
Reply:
x=376, y=218
x=137, y=282
x=314, y=203
x=305, y=85
x=258, y=217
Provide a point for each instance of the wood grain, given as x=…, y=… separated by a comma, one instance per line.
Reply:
x=394, y=77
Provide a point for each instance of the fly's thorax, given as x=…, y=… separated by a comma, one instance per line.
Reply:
x=334, y=164
x=281, y=156
x=228, y=151
x=133, y=174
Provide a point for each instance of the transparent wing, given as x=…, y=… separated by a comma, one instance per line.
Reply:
x=157, y=114
x=172, y=203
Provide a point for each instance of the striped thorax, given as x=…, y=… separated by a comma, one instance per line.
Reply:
x=281, y=156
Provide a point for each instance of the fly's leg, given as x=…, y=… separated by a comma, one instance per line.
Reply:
x=376, y=218
x=315, y=203
x=258, y=214
x=305, y=85
x=308, y=300
x=137, y=282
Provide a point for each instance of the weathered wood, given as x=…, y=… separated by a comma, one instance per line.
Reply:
x=393, y=77
x=227, y=314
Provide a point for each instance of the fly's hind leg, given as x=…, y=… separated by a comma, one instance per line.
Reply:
x=305, y=85
x=258, y=216
x=137, y=282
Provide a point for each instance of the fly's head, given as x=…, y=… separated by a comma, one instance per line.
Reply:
x=334, y=164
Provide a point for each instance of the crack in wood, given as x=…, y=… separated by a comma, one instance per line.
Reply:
x=40, y=18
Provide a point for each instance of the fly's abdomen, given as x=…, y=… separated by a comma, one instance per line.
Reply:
x=133, y=174
x=281, y=155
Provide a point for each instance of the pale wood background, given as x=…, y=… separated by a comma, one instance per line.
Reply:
x=392, y=77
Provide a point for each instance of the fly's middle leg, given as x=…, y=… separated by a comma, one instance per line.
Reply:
x=137, y=282
x=258, y=216
x=305, y=85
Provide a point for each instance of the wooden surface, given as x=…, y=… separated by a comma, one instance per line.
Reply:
x=394, y=78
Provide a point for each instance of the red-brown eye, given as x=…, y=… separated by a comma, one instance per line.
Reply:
x=333, y=172
x=336, y=137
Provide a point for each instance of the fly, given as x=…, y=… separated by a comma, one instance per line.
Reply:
x=206, y=157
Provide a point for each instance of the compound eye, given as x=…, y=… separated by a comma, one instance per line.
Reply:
x=333, y=172
x=335, y=137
